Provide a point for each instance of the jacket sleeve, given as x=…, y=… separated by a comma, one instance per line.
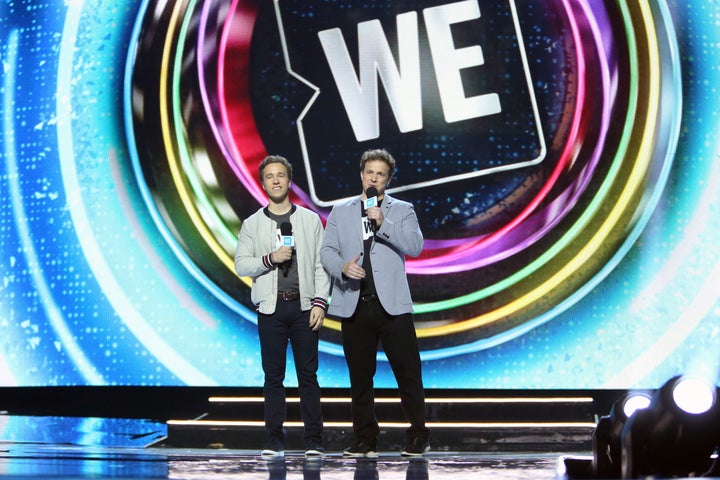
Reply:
x=330, y=254
x=249, y=262
x=404, y=232
x=322, y=280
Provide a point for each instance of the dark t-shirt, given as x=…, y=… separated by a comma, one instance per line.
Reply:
x=367, y=285
x=287, y=274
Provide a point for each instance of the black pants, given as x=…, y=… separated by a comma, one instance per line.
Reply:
x=360, y=335
x=290, y=323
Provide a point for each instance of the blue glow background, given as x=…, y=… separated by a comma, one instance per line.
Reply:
x=91, y=293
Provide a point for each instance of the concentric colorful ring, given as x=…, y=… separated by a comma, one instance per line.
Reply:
x=588, y=205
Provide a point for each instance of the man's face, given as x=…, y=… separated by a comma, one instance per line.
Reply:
x=375, y=174
x=275, y=181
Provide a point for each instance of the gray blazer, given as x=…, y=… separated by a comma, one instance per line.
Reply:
x=399, y=235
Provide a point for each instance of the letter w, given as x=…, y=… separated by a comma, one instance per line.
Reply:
x=402, y=86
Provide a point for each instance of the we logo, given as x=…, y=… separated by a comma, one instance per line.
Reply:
x=402, y=81
x=445, y=86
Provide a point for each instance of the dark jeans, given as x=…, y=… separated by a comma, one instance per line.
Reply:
x=289, y=323
x=360, y=336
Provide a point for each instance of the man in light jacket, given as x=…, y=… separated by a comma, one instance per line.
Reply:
x=279, y=248
x=366, y=240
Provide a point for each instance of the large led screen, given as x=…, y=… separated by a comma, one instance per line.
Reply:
x=562, y=157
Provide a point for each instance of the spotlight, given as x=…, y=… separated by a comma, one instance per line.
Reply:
x=606, y=436
x=677, y=435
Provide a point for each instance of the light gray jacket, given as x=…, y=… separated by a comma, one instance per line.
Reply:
x=399, y=235
x=257, y=240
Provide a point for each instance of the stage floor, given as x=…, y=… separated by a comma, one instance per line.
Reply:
x=68, y=462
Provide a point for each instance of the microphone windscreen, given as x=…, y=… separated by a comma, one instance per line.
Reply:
x=371, y=192
x=286, y=229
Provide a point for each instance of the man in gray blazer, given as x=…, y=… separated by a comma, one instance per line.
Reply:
x=364, y=247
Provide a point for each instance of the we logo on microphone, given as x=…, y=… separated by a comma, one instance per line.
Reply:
x=285, y=235
x=370, y=202
x=287, y=241
x=444, y=86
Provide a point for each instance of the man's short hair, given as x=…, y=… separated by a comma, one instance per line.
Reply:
x=378, y=154
x=275, y=159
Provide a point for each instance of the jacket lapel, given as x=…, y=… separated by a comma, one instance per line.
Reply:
x=357, y=224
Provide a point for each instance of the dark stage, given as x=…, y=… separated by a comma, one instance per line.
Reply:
x=106, y=432
x=218, y=433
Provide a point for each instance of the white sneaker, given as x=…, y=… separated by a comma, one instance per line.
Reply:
x=273, y=450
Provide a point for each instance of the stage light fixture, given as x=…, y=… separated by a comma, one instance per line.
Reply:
x=606, y=436
x=677, y=435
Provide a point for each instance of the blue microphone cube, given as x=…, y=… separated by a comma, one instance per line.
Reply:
x=371, y=202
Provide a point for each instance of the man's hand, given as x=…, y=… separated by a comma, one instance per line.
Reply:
x=352, y=270
x=282, y=254
x=375, y=213
x=317, y=316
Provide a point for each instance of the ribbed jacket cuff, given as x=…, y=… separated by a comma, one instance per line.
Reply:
x=320, y=302
x=267, y=261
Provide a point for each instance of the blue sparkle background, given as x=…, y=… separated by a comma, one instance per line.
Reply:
x=91, y=293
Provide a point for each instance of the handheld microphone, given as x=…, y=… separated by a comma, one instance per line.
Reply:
x=286, y=240
x=371, y=201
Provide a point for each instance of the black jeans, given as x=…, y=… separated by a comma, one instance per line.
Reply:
x=361, y=333
x=290, y=323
